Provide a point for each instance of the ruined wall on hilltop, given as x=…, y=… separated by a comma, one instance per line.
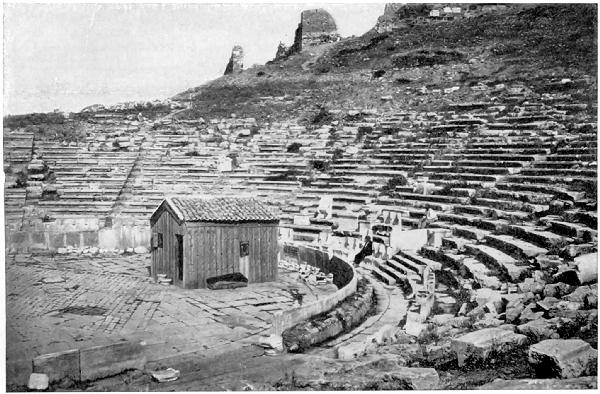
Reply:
x=316, y=27
x=236, y=61
x=282, y=51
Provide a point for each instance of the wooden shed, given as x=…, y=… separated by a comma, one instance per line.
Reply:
x=194, y=239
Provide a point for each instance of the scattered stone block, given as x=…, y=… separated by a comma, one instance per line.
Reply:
x=557, y=289
x=563, y=358
x=140, y=250
x=166, y=375
x=59, y=365
x=587, y=267
x=538, y=330
x=53, y=279
x=417, y=378
x=38, y=381
x=582, y=383
x=101, y=361
x=478, y=345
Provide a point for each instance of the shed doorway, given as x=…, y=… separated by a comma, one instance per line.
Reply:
x=179, y=256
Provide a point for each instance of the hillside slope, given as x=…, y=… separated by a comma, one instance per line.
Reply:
x=533, y=43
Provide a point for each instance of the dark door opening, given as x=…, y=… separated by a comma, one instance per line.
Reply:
x=179, y=256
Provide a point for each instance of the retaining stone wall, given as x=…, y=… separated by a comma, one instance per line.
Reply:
x=342, y=271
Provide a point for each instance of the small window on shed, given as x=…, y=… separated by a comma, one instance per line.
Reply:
x=244, y=249
x=157, y=241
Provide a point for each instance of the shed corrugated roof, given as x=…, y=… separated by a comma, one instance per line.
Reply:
x=222, y=210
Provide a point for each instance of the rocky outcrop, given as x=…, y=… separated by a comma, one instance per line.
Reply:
x=236, y=61
x=316, y=27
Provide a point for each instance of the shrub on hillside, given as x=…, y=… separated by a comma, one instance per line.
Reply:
x=322, y=117
x=294, y=147
x=320, y=165
x=392, y=183
x=289, y=175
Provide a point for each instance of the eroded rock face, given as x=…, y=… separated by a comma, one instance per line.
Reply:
x=563, y=358
x=316, y=27
x=236, y=61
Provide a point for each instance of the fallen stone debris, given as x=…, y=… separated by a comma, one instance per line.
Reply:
x=166, y=375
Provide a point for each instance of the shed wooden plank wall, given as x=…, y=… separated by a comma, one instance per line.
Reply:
x=164, y=260
x=212, y=249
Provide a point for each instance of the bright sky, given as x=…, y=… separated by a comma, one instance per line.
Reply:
x=69, y=56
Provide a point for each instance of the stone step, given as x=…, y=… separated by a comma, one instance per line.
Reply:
x=515, y=247
x=581, y=173
x=573, y=230
x=457, y=243
x=498, y=260
x=408, y=265
x=559, y=192
x=524, y=196
x=382, y=276
x=470, y=232
x=489, y=163
x=482, y=275
x=418, y=259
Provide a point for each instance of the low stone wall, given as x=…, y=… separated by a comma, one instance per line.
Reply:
x=342, y=318
x=52, y=238
x=91, y=363
x=344, y=278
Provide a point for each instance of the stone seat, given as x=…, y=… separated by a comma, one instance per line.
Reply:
x=414, y=204
x=587, y=218
x=574, y=230
x=507, y=151
x=583, y=144
x=517, y=248
x=469, y=232
x=397, y=272
x=488, y=163
x=557, y=190
x=525, y=196
x=577, y=151
x=488, y=211
x=551, y=178
x=383, y=276
x=458, y=218
x=582, y=173
x=510, y=145
x=432, y=198
x=468, y=169
x=408, y=265
x=511, y=205
x=478, y=271
x=455, y=243
x=571, y=158
x=460, y=176
x=498, y=260
x=559, y=166
x=420, y=260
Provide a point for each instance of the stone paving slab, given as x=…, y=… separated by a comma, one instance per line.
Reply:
x=57, y=303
